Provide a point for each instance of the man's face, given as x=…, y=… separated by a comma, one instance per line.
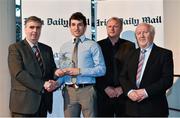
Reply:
x=113, y=29
x=33, y=31
x=77, y=28
x=144, y=36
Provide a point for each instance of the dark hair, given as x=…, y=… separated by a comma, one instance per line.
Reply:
x=33, y=18
x=78, y=16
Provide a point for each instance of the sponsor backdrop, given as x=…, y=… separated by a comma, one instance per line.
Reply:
x=55, y=14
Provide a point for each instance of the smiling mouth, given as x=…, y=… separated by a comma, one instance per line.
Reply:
x=142, y=38
x=76, y=31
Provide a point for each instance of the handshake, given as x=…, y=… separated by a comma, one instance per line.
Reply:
x=51, y=85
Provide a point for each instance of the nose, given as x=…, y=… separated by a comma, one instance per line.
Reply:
x=76, y=27
x=111, y=28
x=142, y=34
x=35, y=29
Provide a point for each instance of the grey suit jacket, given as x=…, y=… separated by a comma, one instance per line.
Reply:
x=27, y=79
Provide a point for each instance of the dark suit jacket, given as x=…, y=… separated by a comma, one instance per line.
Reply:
x=27, y=79
x=157, y=78
x=114, y=60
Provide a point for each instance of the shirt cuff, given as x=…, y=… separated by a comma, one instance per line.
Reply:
x=146, y=95
x=60, y=81
x=130, y=92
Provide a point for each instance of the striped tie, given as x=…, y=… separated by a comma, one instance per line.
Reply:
x=38, y=57
x=140, y=65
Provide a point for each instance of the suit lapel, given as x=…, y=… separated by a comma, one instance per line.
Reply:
x=135, y=65
x=29, y=50
x=43, y=55
x=31, y=53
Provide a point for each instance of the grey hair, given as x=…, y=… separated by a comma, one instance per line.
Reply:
x=150, y=27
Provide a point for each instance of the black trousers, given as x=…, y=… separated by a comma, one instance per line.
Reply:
x=42, y=111
x=111, y=107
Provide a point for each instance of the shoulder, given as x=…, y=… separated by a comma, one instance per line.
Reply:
x=43, y=45
x=125, y=46
x=162, y=50
x=133, y=53
x=17, y=44
x=44, y=48
x=125, y=50
x=90, y=42
x=126, y=42
x=103, y=41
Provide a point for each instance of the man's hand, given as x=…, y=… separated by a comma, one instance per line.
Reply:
x=50, y=85
x=134, y=96
x=110, y=91
x=118, y=91
x=72, y=71
x=138, y=95
x=59, y=72
x=142, y=93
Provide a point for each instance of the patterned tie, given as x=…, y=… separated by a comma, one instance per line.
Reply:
x=38, y=57
x=140, y=65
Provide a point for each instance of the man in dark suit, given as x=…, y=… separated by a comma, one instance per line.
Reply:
x=31, y=73
x=110, y=97
x=147, y=75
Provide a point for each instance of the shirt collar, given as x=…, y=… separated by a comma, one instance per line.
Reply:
x=117, y=43
x=148, y=48
x=82, y=38
x=31, y=44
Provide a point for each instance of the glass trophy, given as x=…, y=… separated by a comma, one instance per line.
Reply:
x=65, y=61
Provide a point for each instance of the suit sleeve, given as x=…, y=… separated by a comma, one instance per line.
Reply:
x=121, y=58
x=124, y=75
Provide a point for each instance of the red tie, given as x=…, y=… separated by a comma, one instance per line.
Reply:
x=38, y=57
x=140, y=65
